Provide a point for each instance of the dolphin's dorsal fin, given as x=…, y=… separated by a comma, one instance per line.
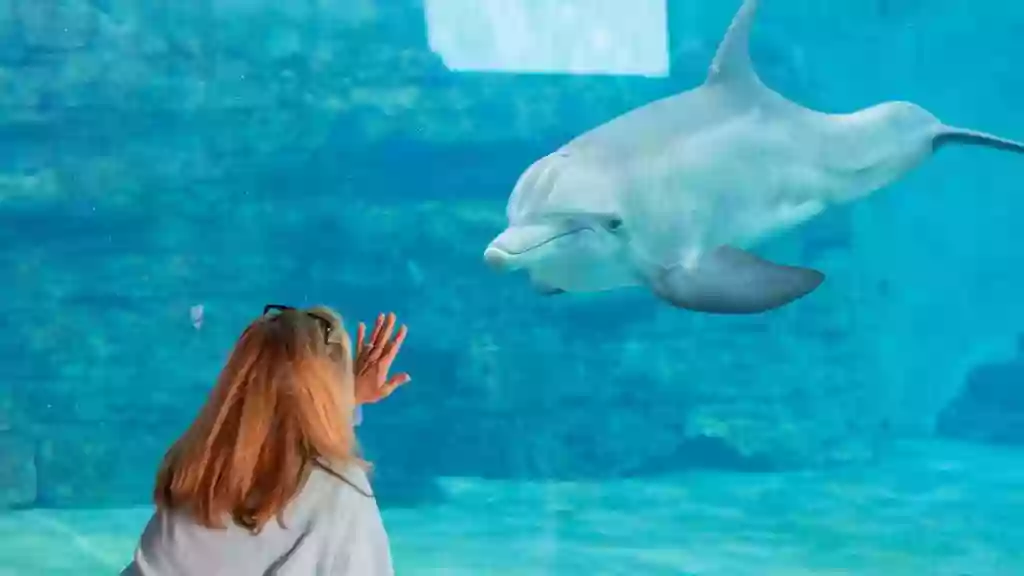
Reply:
x=732, y=64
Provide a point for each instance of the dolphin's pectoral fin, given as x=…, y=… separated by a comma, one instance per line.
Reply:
x=546, y=289
x=728, y=280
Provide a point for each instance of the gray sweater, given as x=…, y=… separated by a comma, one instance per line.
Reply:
x=334, y=528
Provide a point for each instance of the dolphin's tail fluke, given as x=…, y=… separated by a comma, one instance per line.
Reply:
x=965, y=137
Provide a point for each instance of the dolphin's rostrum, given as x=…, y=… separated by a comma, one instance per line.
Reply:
x=671, y=195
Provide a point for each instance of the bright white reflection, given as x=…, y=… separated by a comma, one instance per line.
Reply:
x=550, y=36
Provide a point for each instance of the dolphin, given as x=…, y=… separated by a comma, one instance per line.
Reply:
x=672, y=196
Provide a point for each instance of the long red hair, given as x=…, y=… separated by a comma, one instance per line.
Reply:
x=283, y=401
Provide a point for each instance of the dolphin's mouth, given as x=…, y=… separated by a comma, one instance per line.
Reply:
x=524, y=250
x=514, y=243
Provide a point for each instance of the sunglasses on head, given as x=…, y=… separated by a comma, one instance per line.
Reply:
x=324, y=323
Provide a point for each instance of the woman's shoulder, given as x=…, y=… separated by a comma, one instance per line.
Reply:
x=356, y=528
x=344, y=477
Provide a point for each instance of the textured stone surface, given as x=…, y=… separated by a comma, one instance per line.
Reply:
x=506, y=383
x=97, y=464
x=990, y=406
x=17, y=471
x=6, y=407
x=169, y=95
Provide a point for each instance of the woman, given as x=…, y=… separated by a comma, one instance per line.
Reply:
x=267, y=479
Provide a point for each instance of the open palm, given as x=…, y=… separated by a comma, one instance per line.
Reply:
x=374, y=357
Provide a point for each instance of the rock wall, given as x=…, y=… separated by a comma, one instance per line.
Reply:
x=990, y=406
x=155, y=156
x=507, y=383
x=17, y=459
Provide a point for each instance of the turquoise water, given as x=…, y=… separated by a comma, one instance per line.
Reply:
x=159, y=156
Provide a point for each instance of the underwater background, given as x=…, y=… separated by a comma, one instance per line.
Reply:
x=169, y=167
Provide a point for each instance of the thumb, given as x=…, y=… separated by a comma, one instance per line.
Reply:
x=397, y=380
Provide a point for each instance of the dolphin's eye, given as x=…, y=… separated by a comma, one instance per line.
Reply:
x=613, y=224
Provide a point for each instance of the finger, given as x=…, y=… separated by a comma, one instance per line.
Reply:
x=393, y=385
x=398, y=380
x=360, y=334
x=391, y=348
x=375, y=351
x=385, y=333
x=376, y=329
x=372, y=350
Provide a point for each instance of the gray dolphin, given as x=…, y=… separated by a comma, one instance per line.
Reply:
x=671, y=195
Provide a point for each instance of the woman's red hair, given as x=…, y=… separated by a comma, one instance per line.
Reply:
x=283, y=400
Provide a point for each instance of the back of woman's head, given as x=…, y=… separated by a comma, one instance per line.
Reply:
x=283, y=399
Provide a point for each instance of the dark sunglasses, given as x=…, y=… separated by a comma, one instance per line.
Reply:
x=324, y=322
